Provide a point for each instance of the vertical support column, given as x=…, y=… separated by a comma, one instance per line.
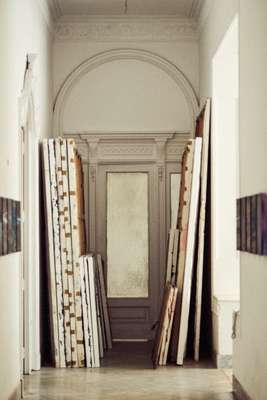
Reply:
x=93, y=153
x=161, y=169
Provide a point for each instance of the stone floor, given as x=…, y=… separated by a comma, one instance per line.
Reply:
x=127, y=374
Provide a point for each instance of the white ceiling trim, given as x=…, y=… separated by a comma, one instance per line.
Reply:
x=125, y=29
x=204, y=13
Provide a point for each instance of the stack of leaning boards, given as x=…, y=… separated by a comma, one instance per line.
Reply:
x=186, y=249
x=66, y=244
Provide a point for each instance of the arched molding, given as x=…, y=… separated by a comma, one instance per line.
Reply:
x=124, y=54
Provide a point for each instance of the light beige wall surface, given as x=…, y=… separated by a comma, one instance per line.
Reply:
x=216, y=24
x=22, y=30
x=250, y=350
x=214, y=80
x=125, y=95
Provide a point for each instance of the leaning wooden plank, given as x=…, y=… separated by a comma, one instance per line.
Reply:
x=63, y=253
x=101, y=312
x=169, y=328
x=190, y=250
x=175, y=257
x=91, y=274
x=57, y=255
x=166, y=327
x=183, y=217
x=75, y=243
x=99, y=326
x=68, y=243
x=159, y=334
x=202, y=222
x=51, y=257
x=91, y=360
x=80, y=202
x=170, y=256
x=85, y=315
x=104, y=302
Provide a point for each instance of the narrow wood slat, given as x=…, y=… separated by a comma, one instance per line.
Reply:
x=101, y=311
x=75, y=243
x=175, y=257
x=63, y=251
x=51, y=256
x=85, y=315
x=90, y=362
x=68, y=244
x=165, y=325
x=80, y=203
x=190, y=250
x=91, y=275
x=170, y=256
x=182, y=223
x=104, y=302
x=202, y=223
x=169, y=328
x=158, y=339
x=57, y=255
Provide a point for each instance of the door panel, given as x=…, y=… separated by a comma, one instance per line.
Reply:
x=127, y=234
x=127, y=238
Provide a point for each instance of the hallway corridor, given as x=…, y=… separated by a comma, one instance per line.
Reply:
x=127, y=374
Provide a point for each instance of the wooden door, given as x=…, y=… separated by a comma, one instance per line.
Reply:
x=127, y=238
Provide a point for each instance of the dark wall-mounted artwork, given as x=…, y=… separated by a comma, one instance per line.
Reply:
x=10, y=226
x=252, y=224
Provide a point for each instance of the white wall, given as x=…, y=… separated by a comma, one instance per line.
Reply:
x=126, y=95
x=219, y=80
x=250, y=350
x=22, y=30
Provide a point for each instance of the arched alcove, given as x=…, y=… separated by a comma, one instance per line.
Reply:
x=125, y=90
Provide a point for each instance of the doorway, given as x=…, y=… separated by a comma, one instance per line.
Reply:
x=127, y=213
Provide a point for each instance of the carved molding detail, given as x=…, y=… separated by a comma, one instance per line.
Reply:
x=83, y=150
x=126, y=149
x=161, y=172
x=123, y=29
x=93, y=172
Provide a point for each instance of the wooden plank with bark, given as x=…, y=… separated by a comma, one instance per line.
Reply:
x=190, y=251
x=57, y=255
x=75, y=243
x=63, y=252
x=182, y=223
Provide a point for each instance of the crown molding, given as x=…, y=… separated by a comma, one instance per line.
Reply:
x=55, y=9
x=45, y=10
x=203, y=13
x=196, y=9
x=125, y=29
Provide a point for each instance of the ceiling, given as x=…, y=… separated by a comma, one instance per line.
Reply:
x=180, y=8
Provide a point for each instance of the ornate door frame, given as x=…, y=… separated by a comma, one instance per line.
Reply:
x=160, y=151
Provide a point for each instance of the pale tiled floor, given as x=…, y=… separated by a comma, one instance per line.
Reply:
x=128, y=375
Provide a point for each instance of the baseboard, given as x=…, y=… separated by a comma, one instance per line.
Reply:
x=16, y=395
x=238, y=390
x=222, y=361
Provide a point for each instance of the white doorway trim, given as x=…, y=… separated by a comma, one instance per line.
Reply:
x=30, y=223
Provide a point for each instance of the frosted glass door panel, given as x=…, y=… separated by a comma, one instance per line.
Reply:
x=127, y=235
x=175, y=192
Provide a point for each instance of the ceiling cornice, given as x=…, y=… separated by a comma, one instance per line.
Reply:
x=195, y=9
x=204, y=11
x=46, y=13
x=125, y=29
x=55, y=9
